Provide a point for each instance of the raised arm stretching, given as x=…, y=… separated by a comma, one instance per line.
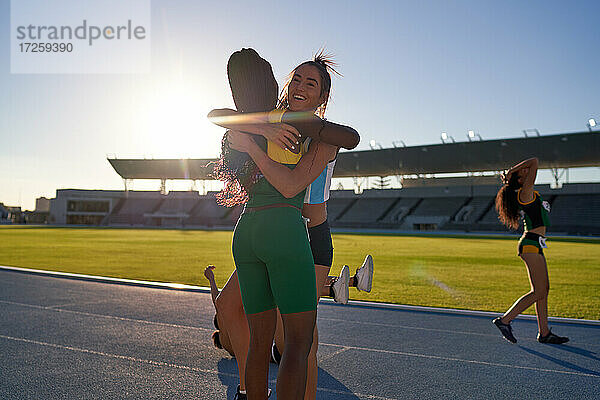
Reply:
x=527, y=180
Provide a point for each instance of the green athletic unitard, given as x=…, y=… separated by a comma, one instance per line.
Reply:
x=272, y=254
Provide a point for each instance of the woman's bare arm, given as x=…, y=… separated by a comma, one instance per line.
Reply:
x=529, y=180
x=312, y=126
x=306, y=123
x=289, y=182
x=283, y=135
x=214, y=290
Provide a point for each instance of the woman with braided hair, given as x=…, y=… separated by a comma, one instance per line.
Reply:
x=517, y=200
x=273, y=258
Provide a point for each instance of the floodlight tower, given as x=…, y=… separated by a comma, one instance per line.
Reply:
x=471, y=135
x=373, y=145
x=445, y=137
x=591, y=124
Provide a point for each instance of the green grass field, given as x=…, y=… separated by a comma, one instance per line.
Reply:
x=456, y=272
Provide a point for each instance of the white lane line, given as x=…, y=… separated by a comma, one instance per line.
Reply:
x=330, y=344
x=404, y=326
x=362, y=396
x=75, y=304
x=402, y=353
x=169, y=365
x=116, y=356
x=419, y=328
x=50, y=308
x=335, y=353
x=359, y=303
x=141, y=321
x=55, y=308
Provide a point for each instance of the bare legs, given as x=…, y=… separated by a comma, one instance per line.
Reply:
x=298, y=331
x=262, y=329
x=538, y=278
x=322, y=272
x=231, y=313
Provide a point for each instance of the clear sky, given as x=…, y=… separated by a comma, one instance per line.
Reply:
x=412, y=69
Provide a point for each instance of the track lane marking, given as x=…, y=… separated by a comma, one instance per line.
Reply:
x=51, y=308
x=358, y=303
x=335, y=353
x=75, y=304
x=420, y=328
x=171, y=365
x=432, y=357
x=141, y=321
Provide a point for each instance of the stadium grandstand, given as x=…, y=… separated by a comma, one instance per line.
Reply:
x=423, y=203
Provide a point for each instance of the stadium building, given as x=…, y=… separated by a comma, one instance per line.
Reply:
x=464, y=202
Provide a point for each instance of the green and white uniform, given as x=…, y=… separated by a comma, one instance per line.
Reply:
x=534, y=214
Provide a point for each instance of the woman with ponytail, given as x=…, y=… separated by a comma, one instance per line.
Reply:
x=274, y=262
x=517, y=200
x=302, y=103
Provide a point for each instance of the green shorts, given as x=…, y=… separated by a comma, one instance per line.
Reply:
x=274, y=262
x=532, y=243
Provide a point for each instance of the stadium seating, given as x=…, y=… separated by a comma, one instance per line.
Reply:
x=575, y=209
x=130, y=211
x=443, y=206
x=400, y=209
x=366, y=210
x=473, y=210
x=575, y=213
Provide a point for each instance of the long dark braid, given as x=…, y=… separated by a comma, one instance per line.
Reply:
x=254, y=89
x=507, y=203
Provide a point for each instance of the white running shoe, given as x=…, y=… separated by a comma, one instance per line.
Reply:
x=341, y=287
x=364, y=275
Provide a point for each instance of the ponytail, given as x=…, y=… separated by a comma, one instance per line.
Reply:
x=507, y=203
x=217, y=340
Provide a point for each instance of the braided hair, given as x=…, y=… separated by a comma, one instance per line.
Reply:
x=216, y=337
x=326, y=66
x=507, y=203
x=254, y=89
x=216, y=334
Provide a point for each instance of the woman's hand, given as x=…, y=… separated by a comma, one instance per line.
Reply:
x=240, y=141
x=208, y=273
x=283, y=135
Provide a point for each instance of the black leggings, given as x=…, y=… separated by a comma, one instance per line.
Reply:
x=321, y=244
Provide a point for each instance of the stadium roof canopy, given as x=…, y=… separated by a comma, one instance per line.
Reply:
x=569, y=150
x=196, y=169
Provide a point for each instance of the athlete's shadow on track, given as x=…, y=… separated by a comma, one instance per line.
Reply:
x=228, y=367
x=564, y=363
x=329, y=387
x=578, y=350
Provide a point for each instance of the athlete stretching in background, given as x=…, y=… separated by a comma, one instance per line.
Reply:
x=516, y=199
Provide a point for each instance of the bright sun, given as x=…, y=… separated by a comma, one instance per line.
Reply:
x=172, y=123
